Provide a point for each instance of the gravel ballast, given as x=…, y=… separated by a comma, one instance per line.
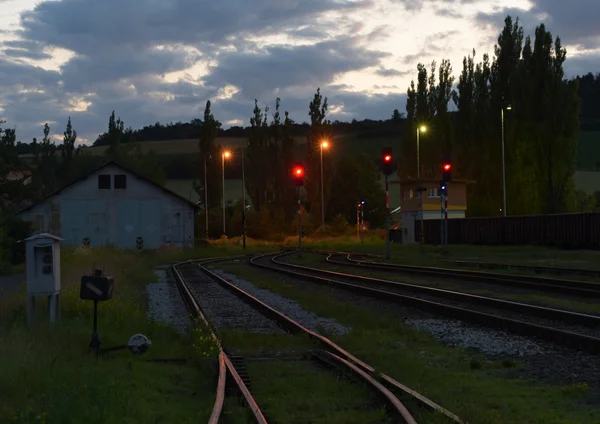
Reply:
x=224, y=309
x=287, y=306
x=165, y=304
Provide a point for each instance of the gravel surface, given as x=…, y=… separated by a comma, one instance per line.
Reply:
x=224, y=309
x=537, y=359
x=288, y=307
x=165, y=304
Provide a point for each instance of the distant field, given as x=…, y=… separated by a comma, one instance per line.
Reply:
x=589, y=151
x=233, y=190
x=185, y=188
x=588, y=181
x=174, y=147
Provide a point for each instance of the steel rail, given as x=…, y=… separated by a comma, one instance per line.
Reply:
x=568, y=338
x=541, y=311
x=534, y=268
x=337, y=361
x=224, y=362
x=351, y=362
x=428, y=403
x=572, y=287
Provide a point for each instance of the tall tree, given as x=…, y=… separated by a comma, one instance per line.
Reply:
x=115, y=137
x=320, y=131
x=210, y=154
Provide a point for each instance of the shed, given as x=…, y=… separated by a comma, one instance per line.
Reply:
x=112, y=206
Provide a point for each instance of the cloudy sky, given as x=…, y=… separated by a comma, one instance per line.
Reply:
x=160, y=60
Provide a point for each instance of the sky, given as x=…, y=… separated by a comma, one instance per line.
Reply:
x=161, y=60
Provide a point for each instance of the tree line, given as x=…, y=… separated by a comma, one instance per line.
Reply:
x=523, y=86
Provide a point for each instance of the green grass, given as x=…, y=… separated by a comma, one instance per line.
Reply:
x=431, y=255
x=301, y=392
x=468, y=384
x=48, y=376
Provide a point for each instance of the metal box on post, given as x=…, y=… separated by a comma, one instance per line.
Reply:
x=42, y=259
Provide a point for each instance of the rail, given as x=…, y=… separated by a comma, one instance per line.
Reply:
x=428, y=403
x=568, y=338
x=572, y=287
x=224, y=362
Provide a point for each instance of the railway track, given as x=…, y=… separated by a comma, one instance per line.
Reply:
x=330, y=353
x=552, y=285
x=530, y=268
x=572, y=329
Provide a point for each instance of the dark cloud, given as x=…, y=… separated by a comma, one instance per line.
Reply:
x=90, y=26
x=573, y=22
x=386, y=72
x=273, y=68
x=28, y=54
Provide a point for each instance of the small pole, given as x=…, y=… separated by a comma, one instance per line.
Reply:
x=422, y=238
x=441, y=217
x=244, y=202
x=299, y=225
x=446, y=221
x=362, y=224
x=387, y=219
x=357, y=221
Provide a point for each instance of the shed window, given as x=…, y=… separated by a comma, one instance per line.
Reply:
x=120, y=181
x=104, y=182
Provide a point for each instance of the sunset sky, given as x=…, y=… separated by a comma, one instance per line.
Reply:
x=160, y=60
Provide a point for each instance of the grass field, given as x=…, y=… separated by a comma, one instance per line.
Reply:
x=48, y=376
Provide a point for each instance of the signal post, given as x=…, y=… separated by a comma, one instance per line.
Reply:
x=388, y=166
x=298, y=176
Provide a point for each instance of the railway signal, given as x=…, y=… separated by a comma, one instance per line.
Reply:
x=447, y=172
x=388, y=168
x=387, y=161
x=298, y=175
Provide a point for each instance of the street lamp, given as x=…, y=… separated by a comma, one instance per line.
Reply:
x=206, y=194
x=420, y=129
x=507, y=107
x=324, y=145
x=226, y=154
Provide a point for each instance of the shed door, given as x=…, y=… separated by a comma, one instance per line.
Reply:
x=138, y=218
x=150, y=218
x=73, y=225
x=127, y=223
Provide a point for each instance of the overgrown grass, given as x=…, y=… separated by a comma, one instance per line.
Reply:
x=468, y=384
x=48, y=376
x=300, y=392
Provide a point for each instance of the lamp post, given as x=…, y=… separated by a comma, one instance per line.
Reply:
x=226, y=154
x=507, y=107
x=324, y=145
x=244, y=202
x=205, y=196
x=420, y=129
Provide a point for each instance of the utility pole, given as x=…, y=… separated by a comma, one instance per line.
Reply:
x=205, y=197
x=244, y=202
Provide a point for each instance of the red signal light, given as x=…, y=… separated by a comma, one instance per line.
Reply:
x=298, y=172
x=447, y=167
x=387, y=158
